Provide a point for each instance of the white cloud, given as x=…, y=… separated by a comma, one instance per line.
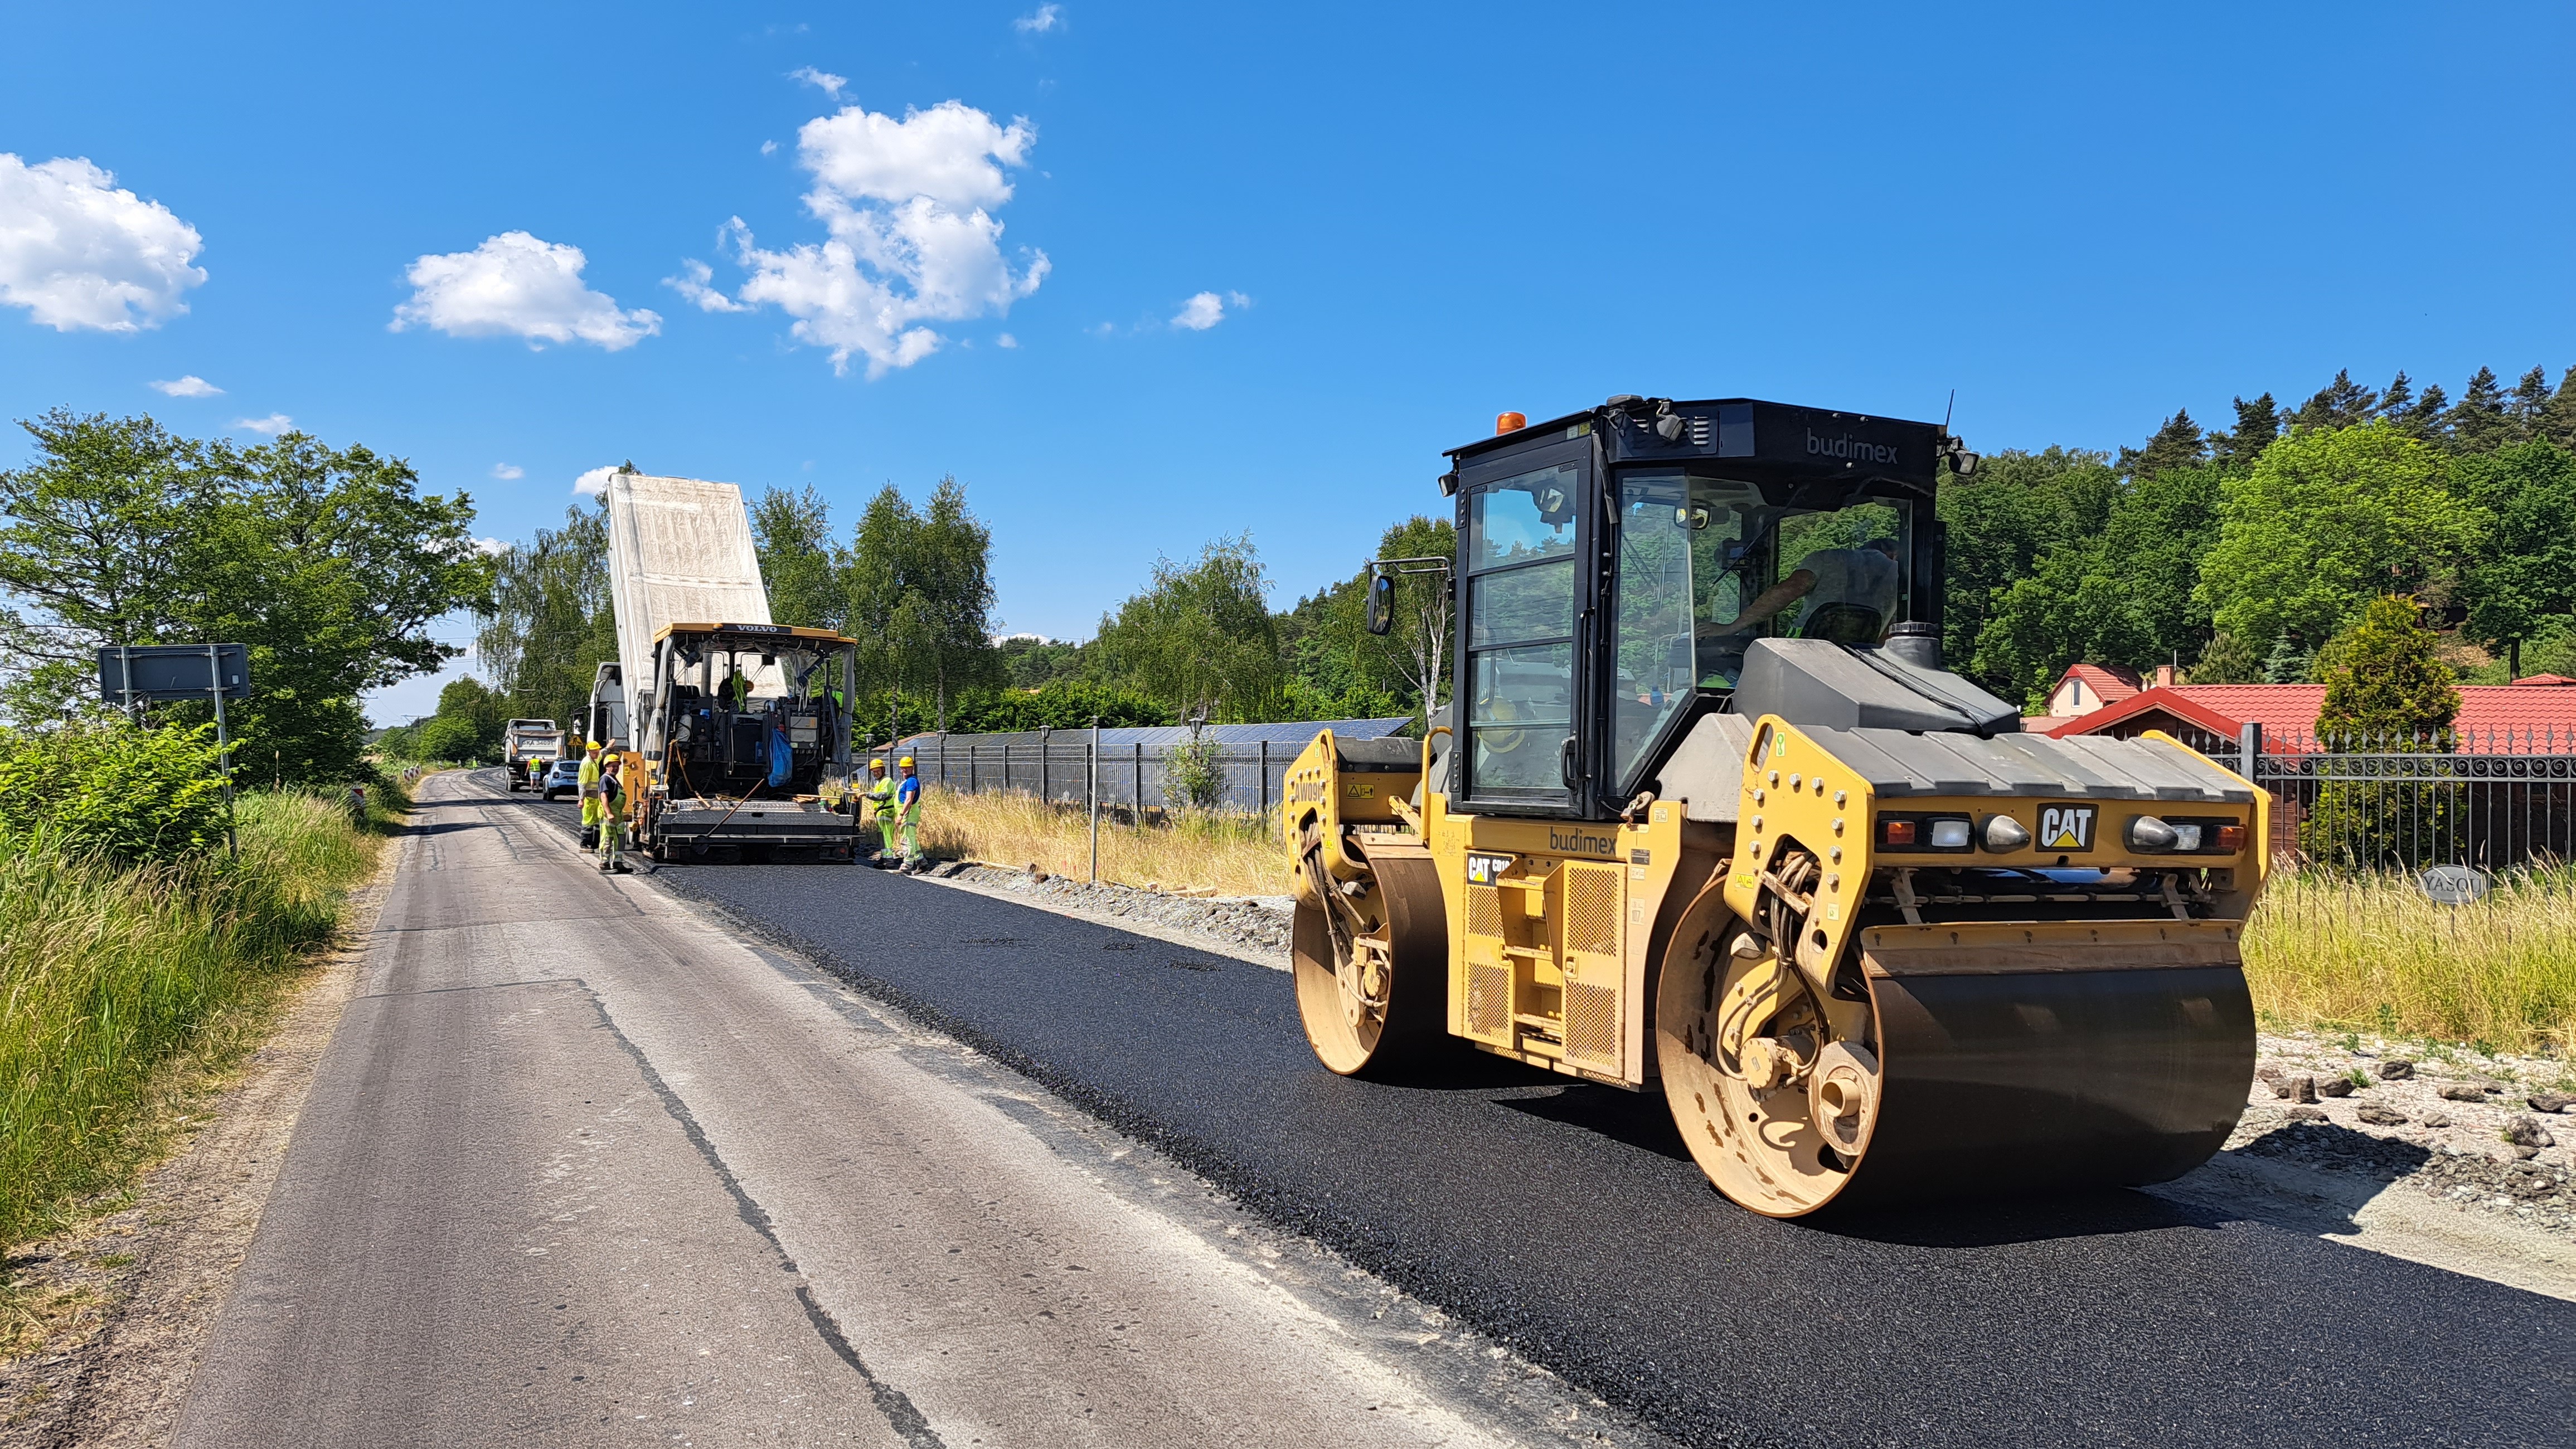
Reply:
x=907, y=204
x=189, y=386
x=1200, y=312
x=594, y=483
x=768, y=148
x=947, y=154
x=1006, y=340
x=694, y=282
x=821, y=80
x=77, y=251
x=273, y=424
x=508, y=471
x=490, y=546
x=515, y=285
x=1044, y=19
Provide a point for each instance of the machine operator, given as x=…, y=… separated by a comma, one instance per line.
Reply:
x=1851, y=594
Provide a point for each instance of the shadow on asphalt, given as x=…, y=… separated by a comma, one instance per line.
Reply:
x=1634, y=1119
x=1988, y=1224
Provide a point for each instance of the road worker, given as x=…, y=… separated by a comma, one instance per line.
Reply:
x=612, y=821
x=907, y=803
x=537, y=772
x=880, y=798
x=589, y=782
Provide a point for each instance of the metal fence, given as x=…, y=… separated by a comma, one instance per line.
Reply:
x=2491, y=799
x=1250, y=762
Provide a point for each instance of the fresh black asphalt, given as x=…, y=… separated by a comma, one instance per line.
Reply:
x=1568, y=1221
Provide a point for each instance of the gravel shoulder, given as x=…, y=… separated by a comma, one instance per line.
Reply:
x=133, y=1295
x=2399, y=1148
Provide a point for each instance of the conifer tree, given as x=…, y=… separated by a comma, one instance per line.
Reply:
x=2386, y=690
x=2530, y=400
x=2558, y=419
x=2478, y=423
x=2383, y=677
x=2177, y=444
x=2401, y=391
x=2424, y=421
x=2287, y=663
x=2226, y=660
x=2341, y=403
x=2257, y=424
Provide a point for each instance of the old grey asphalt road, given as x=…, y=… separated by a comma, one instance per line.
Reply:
x=579, y=1169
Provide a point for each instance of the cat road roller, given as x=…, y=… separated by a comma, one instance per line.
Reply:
x=1708, y=816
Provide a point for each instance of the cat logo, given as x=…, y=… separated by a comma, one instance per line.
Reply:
x=2066, y=827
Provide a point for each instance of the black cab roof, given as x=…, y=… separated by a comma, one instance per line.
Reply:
x=1772, y=442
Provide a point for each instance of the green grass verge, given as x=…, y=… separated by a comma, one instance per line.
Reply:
x=112, y=978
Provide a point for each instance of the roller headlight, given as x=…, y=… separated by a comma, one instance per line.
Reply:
x=2150, y=836
x=1949, y=835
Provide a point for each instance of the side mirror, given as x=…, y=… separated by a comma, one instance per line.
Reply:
x=1381, y=602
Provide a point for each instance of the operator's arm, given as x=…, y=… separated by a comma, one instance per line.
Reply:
x=1765, y=604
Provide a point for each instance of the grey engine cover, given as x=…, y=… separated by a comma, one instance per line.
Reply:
x=1818, y=684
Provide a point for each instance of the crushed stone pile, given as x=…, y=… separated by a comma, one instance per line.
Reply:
x=1259, y=924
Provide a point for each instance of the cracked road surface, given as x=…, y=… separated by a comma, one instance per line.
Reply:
x=579, y=1168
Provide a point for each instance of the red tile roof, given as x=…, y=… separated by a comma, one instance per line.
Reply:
x=2109, y=682
x=2501, y=717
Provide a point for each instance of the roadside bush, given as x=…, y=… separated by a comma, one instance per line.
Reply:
x=1192, y=778
x=108, y=972
x=112, y=791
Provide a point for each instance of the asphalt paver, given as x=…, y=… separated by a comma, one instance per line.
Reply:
x=1568, y=1221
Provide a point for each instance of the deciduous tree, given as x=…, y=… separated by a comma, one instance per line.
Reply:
x=1200, y=637
x=2326, y=521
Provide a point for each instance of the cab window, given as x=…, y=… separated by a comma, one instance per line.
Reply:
x=1521, y=585
x=1708, y=565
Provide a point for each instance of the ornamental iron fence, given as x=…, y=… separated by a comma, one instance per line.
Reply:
x=2492, y=799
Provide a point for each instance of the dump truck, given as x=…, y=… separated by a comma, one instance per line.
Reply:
x=525, y=740
x=1707, y=816
x=737, y=728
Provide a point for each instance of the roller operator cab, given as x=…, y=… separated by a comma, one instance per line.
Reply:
x=1706, y=815
x=743, y=735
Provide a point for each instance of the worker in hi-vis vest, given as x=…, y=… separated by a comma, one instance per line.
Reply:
x=880, y=798
x=612, y=821
x=907, y=805
x=589, y=781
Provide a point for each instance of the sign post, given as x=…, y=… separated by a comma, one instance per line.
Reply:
x=132, y=676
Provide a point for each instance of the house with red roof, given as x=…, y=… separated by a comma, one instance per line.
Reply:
x=2085, y=688
x=2533, y=715
x=2513, y=810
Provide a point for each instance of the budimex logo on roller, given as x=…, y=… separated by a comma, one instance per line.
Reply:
x=1849, y=449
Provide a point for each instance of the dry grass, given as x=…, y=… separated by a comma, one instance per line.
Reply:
x=2372, y=954
x=1233, y=855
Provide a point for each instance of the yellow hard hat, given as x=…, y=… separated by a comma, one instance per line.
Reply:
x=906, y=762
x=877, y=764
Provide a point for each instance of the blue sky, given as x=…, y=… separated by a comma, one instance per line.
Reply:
x=1400, y=220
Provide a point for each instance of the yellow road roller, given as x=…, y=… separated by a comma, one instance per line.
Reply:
x=1706, y=815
